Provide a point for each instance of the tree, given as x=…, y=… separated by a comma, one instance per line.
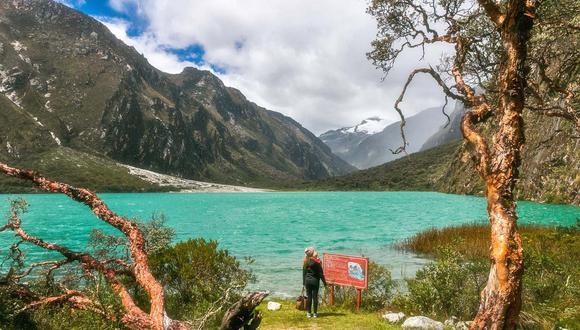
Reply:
x=488, y=73
x=113, y=269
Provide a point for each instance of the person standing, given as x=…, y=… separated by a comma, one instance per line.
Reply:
x=312, y=274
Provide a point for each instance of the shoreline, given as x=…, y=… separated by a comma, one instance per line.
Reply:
x=186, y=185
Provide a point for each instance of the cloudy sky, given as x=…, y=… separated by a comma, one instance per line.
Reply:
x=304, y=58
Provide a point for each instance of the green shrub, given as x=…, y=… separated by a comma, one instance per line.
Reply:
x=451, y=285
x=448, y=287
x=198, y=276
x=376, y=297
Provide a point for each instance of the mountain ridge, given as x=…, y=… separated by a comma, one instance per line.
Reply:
x=82, y=88
x=364, y=150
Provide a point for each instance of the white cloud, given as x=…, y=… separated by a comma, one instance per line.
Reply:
x=72, y=3
x=148, y=45
x=304, y=58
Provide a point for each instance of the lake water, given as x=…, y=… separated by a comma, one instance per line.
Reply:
x=274, y=228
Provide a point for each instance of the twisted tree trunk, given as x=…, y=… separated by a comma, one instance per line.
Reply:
x=501, y=298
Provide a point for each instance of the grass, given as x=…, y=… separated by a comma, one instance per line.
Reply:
x=551, y=280
x=471, y=240
x=78, y=169
x=330, y=318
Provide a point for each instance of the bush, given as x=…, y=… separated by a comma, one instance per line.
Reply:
x=376, y=297
x=200, y=282
x=197, y=277
x=451, y=285
x=448, y=287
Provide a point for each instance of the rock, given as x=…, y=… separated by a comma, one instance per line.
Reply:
x=422, y=323
x=462, y=325
x=394, y=317
x=451, y=322
x=274, y=306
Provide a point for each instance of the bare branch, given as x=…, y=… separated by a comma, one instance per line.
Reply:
x=445, y=113
x=440, y=82
x=137, y=243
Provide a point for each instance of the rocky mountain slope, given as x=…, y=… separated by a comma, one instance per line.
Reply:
x=344, y=140
x=550, y=170
x=449, y=132
x=66, y=81
x=364, y=150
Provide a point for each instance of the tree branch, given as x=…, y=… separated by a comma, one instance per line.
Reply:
x=130, y=229
x=446, y=89
x=493, y=11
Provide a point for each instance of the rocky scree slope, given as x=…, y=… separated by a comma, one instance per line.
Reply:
x=66, y=81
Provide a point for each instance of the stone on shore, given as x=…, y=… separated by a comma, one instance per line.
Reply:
x=274, y=306
x=394, y=317
x=422, y=323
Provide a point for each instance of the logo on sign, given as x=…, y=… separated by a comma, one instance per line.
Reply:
x=356, y=271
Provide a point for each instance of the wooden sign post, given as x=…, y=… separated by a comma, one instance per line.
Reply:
x=346, y=270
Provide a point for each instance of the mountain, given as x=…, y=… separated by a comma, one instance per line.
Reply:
x=344, y=140
x=449, y=132
x=550, y=170
x=67, y=82
x=364, y=149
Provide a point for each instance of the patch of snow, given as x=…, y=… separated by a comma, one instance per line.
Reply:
x=12, y=96
x=47, y=95
x=25, y=58
x=9, y=147
x=369, y=126
x=47, y=106
x=18, y=46
x=57, y=140
x=38, y=122
x=129, y=68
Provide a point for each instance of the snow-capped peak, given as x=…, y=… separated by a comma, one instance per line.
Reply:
x=369, y=126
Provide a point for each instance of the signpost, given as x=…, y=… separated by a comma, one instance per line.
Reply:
x=346, y=271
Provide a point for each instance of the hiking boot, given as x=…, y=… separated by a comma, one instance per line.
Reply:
x=308, y=315
x=315, y=315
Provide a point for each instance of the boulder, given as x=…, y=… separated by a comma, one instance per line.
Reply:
x=422, y=323
x=462, y=325
x=450, y=322
x=274, y=306
x=394, y=317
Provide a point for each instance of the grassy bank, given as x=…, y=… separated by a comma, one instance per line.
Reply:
x=78, y=169
x=329, y=318
x=551, y=283
x=472, y=240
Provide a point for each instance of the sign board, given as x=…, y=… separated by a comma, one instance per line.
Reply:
x=346, y=270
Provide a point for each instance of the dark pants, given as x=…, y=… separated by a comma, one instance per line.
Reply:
x=312, y=301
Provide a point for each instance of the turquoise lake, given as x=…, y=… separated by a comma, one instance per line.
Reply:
x=274, y=228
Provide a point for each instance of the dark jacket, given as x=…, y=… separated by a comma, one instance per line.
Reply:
x=312, y=273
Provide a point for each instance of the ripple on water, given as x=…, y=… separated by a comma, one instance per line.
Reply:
x=274, y=228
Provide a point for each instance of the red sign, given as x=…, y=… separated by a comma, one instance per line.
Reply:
x=346, y=270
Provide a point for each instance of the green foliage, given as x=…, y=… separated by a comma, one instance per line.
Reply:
x=451, y=285
x=157, y=237
x=551, y=289
x=448, y=287
x=416, y=172
x=197, y=277
x=78, y=169
x=376, y=297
